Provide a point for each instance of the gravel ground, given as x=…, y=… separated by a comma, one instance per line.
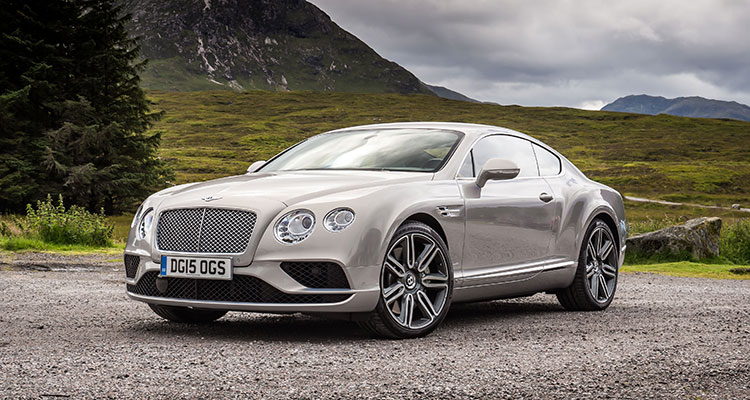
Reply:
x=75, y=333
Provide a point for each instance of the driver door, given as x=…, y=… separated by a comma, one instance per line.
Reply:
x=509, y=223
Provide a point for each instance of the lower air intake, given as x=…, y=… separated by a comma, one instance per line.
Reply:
x=131, y=265
x=326, y=275
x=241, y=289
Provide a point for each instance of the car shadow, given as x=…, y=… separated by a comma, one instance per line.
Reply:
x=244, y=327
x=498, y=310
x=297, y=327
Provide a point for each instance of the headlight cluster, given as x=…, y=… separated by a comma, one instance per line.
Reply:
x=338, y=219
x=144, y=227
x=295, y=226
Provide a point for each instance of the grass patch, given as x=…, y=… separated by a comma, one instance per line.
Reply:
x=218, y=133
x=689, y=269
x=647, y=217
x=121, y=224
x=33, y=244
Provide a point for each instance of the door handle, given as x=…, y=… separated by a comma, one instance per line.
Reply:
x=545, y=197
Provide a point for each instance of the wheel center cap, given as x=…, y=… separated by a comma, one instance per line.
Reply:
x=410, y=281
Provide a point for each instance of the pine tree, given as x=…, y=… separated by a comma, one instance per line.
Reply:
x=92, y=146
x=32, y=63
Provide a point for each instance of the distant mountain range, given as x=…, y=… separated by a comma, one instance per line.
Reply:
x=696, y=107
x=274, y=45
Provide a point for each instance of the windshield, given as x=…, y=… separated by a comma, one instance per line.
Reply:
x=420, y=150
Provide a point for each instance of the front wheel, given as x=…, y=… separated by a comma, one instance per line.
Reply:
x=416, y=284
x=594, y=285
x=186, y=315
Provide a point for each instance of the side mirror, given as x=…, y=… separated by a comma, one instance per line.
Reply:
x=255, y=166
x=497, y=169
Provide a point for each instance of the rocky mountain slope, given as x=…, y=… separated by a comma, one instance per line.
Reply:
x=697, y=107
x=446, y=93
x=257, y=44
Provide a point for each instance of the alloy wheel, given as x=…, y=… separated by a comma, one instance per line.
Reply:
x=414, y=281
x=601, y=259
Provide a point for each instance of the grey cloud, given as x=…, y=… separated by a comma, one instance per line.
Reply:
x=550, y=52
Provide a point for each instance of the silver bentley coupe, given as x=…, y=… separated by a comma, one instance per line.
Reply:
x=386, y=225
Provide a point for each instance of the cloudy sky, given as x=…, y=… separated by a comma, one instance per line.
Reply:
x=557, y=52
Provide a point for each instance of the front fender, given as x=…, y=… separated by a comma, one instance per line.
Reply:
x=379, y=212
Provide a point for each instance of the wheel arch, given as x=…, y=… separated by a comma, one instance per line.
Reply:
x=430, y=221
x=610, y=223
x=604, y=213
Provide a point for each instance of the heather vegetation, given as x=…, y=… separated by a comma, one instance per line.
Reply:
x=212, y=134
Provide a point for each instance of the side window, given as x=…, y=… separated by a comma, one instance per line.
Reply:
x=509, y=148
x=549, y=164
x=467, y=169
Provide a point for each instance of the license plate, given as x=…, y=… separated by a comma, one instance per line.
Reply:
x=196, y=267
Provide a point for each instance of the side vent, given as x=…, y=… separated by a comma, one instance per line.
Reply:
x=450, y=211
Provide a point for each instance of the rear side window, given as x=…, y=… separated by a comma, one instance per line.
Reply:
x=508, y=148
x=549, y=164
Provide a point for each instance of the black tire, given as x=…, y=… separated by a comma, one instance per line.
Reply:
x=382, y=322
x=187, y=315
x=578, y=296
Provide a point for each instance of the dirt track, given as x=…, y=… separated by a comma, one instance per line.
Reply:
x=76, y=334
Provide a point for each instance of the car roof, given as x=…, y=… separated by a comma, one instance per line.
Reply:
x=472, y=131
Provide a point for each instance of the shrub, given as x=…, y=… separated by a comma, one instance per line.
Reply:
x=75, y=225
x=735, y=242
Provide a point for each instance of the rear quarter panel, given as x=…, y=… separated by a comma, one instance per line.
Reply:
x=580, y=201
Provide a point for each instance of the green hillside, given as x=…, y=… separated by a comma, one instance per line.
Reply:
x=212, y=134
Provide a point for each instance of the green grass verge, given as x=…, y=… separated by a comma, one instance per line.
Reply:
x=30, y=244
x=688, y=269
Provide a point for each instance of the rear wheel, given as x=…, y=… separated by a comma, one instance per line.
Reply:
x=594, y=285
x=416, y=284
x=186, y=315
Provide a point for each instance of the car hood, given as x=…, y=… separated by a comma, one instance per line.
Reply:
x=288, y=187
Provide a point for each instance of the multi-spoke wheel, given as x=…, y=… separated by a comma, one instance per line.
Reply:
x=416, y=284
x=596, y=278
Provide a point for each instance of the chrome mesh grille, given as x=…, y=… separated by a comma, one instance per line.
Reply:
x=204, y=230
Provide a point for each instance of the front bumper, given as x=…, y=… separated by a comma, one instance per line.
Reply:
x=362, y=297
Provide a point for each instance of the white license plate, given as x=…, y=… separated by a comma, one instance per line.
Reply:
x=196, y=267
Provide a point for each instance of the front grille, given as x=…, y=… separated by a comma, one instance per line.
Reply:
x=317, y=274
x=205, y=230
x=241, y=289
x=131, y=265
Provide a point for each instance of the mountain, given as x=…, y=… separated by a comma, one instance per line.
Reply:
x=696, y=107
x=446, y=93
x=274, y=45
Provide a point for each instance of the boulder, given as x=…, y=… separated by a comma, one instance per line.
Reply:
x=698, y=237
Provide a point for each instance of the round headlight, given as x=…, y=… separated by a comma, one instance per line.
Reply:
x=294, y=226
x=146, y=222
x=339, y=219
